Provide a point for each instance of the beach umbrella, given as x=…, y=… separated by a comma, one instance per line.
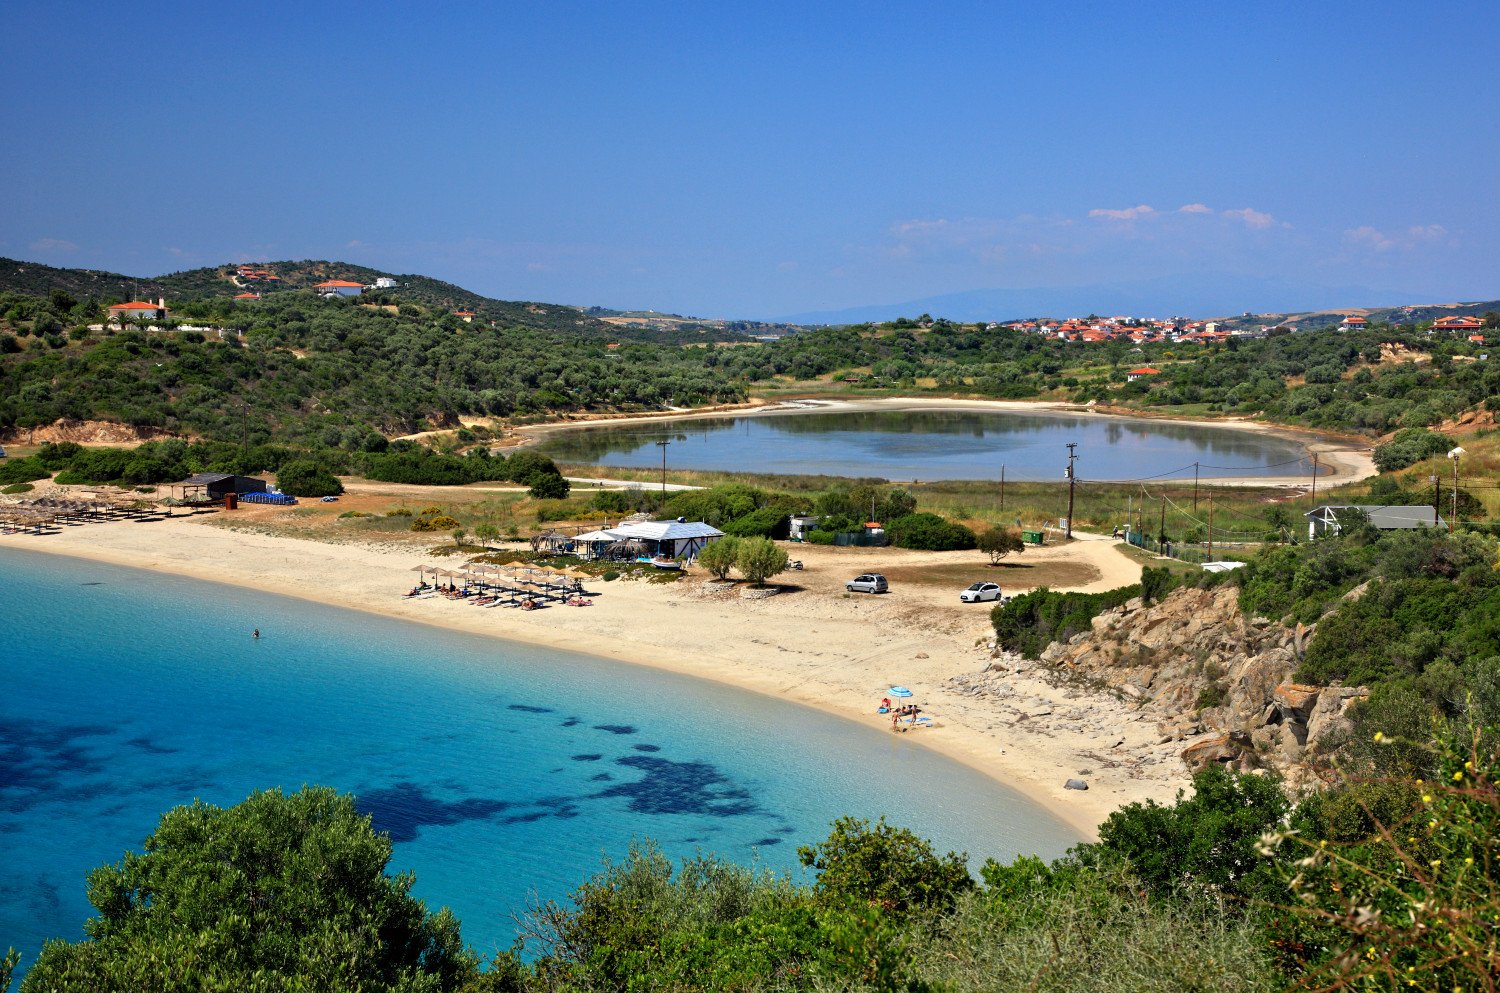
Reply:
x=900, y=691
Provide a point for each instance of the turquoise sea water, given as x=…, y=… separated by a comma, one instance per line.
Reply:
x=935, y=444
x=500, y=770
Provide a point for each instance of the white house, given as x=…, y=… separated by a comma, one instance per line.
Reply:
x=339, y=288
x=385, y=283
x=139, y=310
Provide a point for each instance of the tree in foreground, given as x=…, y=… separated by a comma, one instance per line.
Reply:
x=718, y=557
x=759, y=559
x=1000, y=542
x=884, y=865
x=276, y=893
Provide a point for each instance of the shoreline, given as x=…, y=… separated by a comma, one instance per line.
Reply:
x=840, y=674
x=1349, y=459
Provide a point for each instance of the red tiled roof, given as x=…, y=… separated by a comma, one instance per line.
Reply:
x=1458, y=322
x=337, y=282
x=135, y=305
x=247, y=296
x=1145, y=371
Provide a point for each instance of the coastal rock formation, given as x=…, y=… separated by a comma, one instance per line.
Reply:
x=1217, y=682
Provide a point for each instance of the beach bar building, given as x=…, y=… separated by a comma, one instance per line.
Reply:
x=217, y=485
x=669, y=539
x=1324, y=520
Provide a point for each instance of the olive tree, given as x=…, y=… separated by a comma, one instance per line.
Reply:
x=718, y=557
x=1000, y=542
x=758, y=559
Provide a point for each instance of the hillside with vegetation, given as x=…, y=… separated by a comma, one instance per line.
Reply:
x=298, y=369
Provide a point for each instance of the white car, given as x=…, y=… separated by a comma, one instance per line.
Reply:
x=980, y=592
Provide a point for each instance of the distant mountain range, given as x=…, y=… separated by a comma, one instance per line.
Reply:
x=1201, y=295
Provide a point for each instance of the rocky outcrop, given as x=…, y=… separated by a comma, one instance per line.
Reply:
x=1216, y=681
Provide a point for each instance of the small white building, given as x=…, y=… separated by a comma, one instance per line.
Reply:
x=1324, y=520
x=385, y=283
x=339, y=288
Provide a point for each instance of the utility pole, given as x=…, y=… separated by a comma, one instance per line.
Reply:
x=245, y=435
x=1195, y=487
x=1161, y=535
x=663, y=446
x=1068, y=531
x=1210, y=527
x=1437, y=495
x=1454, y=455
x=1002, y=486
x=1315, y=481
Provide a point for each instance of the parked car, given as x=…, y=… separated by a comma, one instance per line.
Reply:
x=980, y=593
x=870, y=582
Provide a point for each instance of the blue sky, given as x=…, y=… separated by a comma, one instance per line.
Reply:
x=762, y=159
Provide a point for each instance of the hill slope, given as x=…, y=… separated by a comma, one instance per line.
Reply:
x=222, y=282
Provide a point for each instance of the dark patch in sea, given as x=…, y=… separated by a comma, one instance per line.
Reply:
x=615, y=728
x=680, y=788
x=646, y=748
x=786, y=829
x=527, y=708
x=587, y=757
x=37, y=758
x=603, y=777
x=571, y=722
x=91, y=584
x=404, y=808
x=152, y=748
x=765, y=842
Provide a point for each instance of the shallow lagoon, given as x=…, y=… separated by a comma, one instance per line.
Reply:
x=500, y=770
x=931, y=444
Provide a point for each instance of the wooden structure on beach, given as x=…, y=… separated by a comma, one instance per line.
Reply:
x=214, y=486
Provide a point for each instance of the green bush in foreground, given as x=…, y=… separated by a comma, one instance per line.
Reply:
x=931, y=533
x=279, y=892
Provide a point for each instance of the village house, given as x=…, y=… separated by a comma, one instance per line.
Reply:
x=139, y=310
x=339, y=288
x=1457, y=324
x=1354, y=322
x=1141, y=373
x=467, y=316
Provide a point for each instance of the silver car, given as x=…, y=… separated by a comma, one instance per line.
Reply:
x=870, y=582
x=980, y=593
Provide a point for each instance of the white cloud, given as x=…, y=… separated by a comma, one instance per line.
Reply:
x=56, y=245
x=1195, y=208
x=1128, y=214
x=1375, y=240
x=1253, y=218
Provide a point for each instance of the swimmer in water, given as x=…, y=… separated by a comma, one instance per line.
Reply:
x=256, y=634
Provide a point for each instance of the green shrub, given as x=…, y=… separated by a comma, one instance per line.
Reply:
x=1410, y=446
x=884, y=865
x=821, y=537
x=25, y=470
x=1032, y=621
x=765, y=522
x=307, y=479
x=277, y=892
x=610, y=575
x=549, y=486
x=929, y=532
x=15, y=488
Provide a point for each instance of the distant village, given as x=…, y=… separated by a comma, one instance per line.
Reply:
x=1177, y=330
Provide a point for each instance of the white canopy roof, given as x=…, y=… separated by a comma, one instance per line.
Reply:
x=666, y=530
x=594, y=537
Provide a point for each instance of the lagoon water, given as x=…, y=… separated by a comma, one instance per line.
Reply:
x=498, y=769
x=931, y=444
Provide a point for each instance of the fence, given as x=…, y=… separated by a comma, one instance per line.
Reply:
x=1196, y=552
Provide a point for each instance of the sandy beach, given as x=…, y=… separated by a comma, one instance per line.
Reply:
x=811, y=643
x=1341, y=460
